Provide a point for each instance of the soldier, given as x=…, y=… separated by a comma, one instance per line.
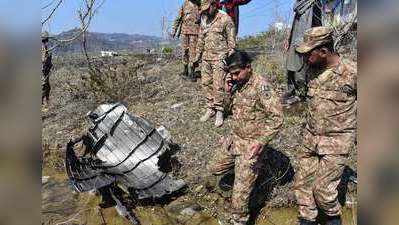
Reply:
x=329, y=134
x=217, y=40
x=188, y=22
x=257, y=117
x=46, y=68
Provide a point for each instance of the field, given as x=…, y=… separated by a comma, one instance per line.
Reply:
x=151, y=88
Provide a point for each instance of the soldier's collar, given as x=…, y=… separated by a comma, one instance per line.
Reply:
x=215, y=18
x=340, y=68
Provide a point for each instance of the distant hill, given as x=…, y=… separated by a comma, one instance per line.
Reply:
x=97, y=42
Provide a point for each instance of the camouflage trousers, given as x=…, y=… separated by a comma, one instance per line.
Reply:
x=317, y=177
x=45, y=80
x=212, y=79
x=232, y=156
x=189, y=46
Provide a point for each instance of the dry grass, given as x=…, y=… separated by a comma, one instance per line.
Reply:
x=152, y=89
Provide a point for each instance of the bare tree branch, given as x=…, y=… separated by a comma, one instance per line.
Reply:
x=82, y=16
x=52, y=12
x=85, y=17
x=49, y=4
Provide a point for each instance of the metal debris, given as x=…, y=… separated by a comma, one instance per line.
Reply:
x=123, y=150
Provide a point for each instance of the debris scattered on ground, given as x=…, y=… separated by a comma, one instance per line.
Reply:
x=162, y=88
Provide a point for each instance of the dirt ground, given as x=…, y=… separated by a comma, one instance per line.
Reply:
x=151, y=88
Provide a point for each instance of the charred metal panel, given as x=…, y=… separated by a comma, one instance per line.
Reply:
x=124, y=149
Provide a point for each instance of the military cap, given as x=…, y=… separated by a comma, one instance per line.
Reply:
x=314, y=37
x=205, y=4
x=45, y=35
x=237, y=60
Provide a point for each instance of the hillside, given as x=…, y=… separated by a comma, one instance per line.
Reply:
x=109, y=42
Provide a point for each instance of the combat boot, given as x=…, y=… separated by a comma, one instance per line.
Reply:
x=306, y=222
x=334, y=220
x=209, y=113
x=219, y=119
x=290, y=100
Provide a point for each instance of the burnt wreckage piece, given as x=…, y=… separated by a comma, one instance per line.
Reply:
x=124, y=150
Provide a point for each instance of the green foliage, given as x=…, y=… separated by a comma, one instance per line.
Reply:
x=271, y=40
x=271, y=66
x=253, y=41
x=167, y=50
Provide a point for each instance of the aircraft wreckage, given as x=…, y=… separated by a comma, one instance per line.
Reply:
x=123, y=151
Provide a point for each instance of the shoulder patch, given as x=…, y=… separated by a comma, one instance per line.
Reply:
x=265, y=89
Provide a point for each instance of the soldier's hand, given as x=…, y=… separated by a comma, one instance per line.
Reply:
x=254, y=150
x=228, y=86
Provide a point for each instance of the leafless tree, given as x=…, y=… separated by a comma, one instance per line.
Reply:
x=52, y=10
x=85, y=15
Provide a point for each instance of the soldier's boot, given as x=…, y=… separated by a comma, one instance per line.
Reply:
x=334, y=220
x=306, y=222
x=291, y=100
x=45, y=108
x=219, y=119
x=184, y=74
x=45, y=105
x=209, y=114
x=290, y=97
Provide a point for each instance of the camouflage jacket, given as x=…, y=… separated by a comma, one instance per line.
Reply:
x=217, y=38
x=46, y=60
x=188, y=17
x=332, y=101
x=257, y=111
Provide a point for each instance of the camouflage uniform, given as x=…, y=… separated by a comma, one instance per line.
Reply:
x=189, y=16
x=328, y=138
x=217, y=39
x=46, y=68
x=257, y=117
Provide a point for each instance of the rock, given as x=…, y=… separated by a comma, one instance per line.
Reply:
x=176, y=106
x=188, y=211
x=45, y=179
x=199, y=188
